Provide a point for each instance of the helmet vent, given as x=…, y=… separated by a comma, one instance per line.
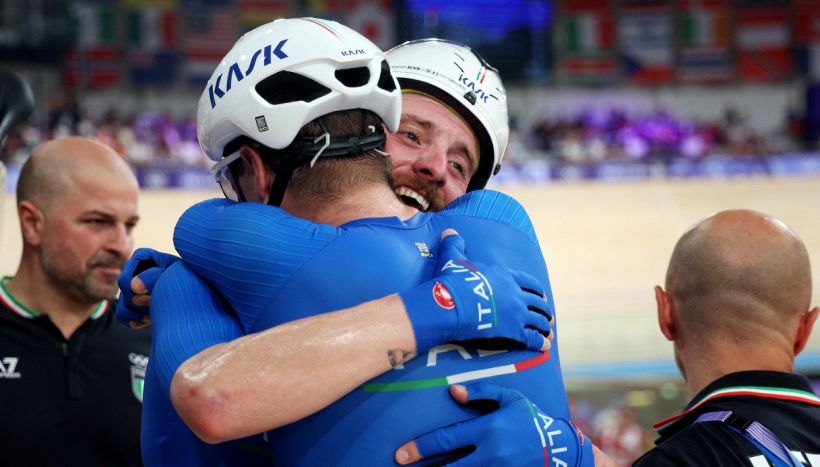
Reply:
x=284, y=87
x=386, y=80
x=353, y=77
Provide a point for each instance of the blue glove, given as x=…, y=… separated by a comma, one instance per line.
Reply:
x=517, y=433
x=487, y=306
x=147, y=264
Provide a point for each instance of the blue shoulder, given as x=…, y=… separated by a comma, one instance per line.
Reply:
x=495, y=206
x=187, y=317
x=247, y=250
x=224, y=227
x=239, y=216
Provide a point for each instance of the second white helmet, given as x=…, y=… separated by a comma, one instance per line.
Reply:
x=457, y=76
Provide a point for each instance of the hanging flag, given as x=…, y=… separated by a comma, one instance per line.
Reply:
x=253, y=13
x=591, y=69
x=154, y=68
x=705, y=65
x=210, y=31
x=807, y=38
x=704, y=27
x=94, y=25
x=762, y=29
x=762, y=39
x=199, y=69
x=587, y=26
x=373, y=20
x=704, y=54
x=96, y=67
x=151, y=28
x=645, y=40
x=807, y=23
x=589, y=32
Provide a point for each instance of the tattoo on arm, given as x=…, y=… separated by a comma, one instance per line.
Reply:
x=398, y=356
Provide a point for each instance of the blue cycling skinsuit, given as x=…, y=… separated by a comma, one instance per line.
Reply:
x=166, y=440
x=271, y=268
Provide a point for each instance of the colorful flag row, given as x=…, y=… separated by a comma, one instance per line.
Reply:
x=160, y=36
x=103, y=67
x=693, y=41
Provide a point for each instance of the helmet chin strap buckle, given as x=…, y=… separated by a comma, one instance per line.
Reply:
x=372, y=129
x=326, y=136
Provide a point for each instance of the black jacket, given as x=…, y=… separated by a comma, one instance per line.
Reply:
x=783, y=402
x=73, y=402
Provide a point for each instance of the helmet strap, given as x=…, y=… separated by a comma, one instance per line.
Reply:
x=326, y=137
x=280, y=185
x=233, y=169
x=307, y=150
x=282, y=163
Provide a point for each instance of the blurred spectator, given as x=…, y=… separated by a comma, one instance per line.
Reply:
x=740, y=137
x=612, y=134
x=143, y=139
x=794, y=128
x=582, y=413
x=63, y=112
x=619, y=435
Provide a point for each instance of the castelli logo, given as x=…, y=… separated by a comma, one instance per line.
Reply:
x=443, y=297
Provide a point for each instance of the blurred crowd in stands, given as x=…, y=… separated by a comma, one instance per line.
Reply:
x=142, y=138
x=613, y=134
x=614, y=429
x=158, y=139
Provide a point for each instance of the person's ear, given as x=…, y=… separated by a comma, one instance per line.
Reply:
x=32, y=222
x=666, y=314
x=804, y=329
x=261, y=178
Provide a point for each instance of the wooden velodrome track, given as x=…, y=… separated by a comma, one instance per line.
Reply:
x=606, y=245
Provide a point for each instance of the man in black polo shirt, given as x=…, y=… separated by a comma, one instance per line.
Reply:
x=736, y=307
x=70, y=375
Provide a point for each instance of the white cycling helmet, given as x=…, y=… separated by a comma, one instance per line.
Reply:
x=457, y=76
x=286, y=73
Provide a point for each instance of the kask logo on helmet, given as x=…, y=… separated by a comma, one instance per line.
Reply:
x=472, y=86
x=348, y=53
x=234, y=72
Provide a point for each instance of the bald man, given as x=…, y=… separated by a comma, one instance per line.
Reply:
x=70, y=376
x=737, y=309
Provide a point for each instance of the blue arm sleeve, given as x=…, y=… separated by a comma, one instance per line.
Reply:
x=247, y=250
x=187, y=317
x=493, y=205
